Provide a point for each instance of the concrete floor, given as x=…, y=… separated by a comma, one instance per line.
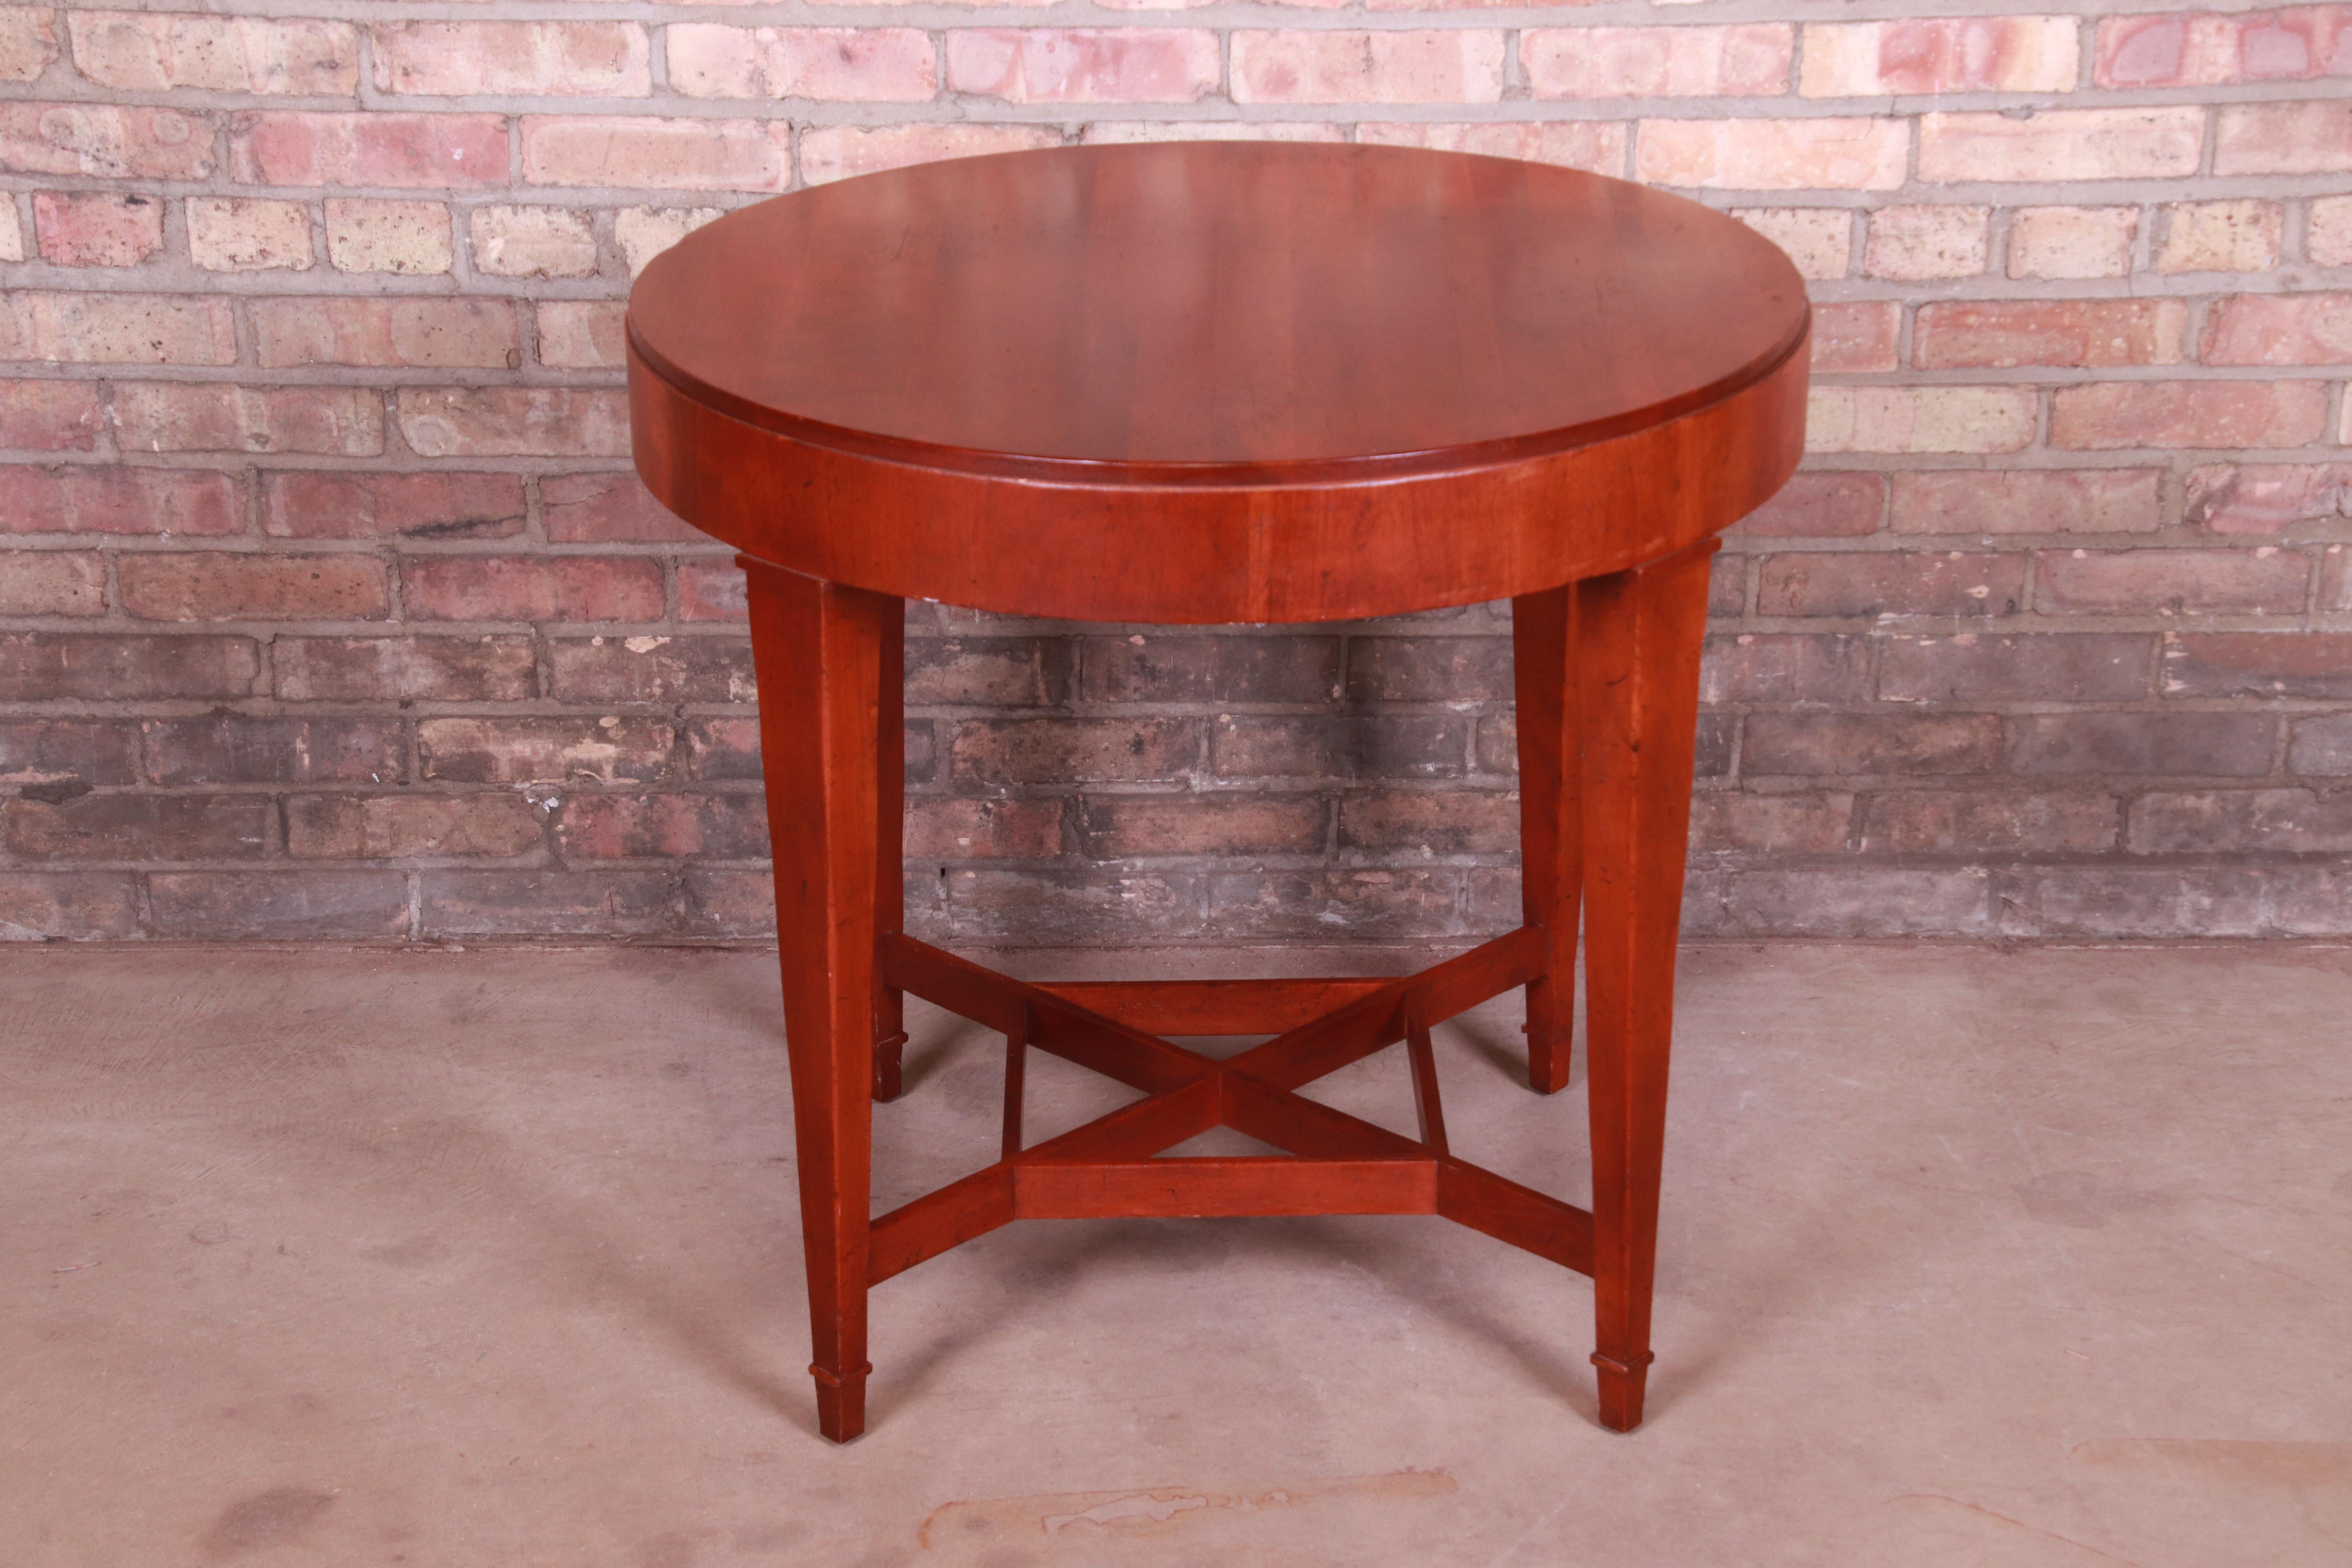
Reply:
x=489, y=1258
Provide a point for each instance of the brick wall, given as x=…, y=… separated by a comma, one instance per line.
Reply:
x=329, y=608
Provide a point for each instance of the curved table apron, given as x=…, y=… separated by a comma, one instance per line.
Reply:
x=1217, y=382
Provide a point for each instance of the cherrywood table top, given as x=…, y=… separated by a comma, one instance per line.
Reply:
x=1431, y=333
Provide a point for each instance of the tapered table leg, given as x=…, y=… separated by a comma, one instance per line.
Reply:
x=1552, y=833
x=890, y=820
x=1638, y=640
x=819, y=652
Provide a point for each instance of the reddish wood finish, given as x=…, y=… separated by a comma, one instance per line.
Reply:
x=1219, y=381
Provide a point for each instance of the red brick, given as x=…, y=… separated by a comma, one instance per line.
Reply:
x=2316, y=664
x=1775, y=666
x=409, y=825
x=460, y=59
x=647, y=154
x=49, y=415
x=1430, y=822
x=743, y=904
x=69, y=906
x=1122, y=132
x=997, y=672
x=142, y=828
x=1971, y=54
x=1880, y=582
x=28, y=42
x=955, y=828
x=550, y=902
x=52, y=582
x=2327, y=235
x=1124, y=827
x=1429, y=669
x=1748, y=60
x=837, y=152
x=1821, y=505
x=2260, y=499
x=603, y=509
x=344, y=505
x=1793, y=155
x=2001, y=334
x=1598, y=146
x=1081, y=65
x=729, y=749
x=514, y=421
x=1359, y=746
x=2169, y=582
x=236, y=748
x=116, y=329
x=536, y=241
x=1452, y=66
x=2235, y=744
x=1856, y=337
x=712, y=589
x=652, y=669
x=407, y=332
x=1858, y=901
x=663, y=827
x=423, y=151
x=1863, y=743
x=2204, y=49
x=1981, y=822
x=883, y=65
x=1091, y=751
x=1371, y=905
x=221, y=586
x=49, y=666
x=97, y=229
x=2129, y=901
x=1180, y=668
x=37, y=753
x=390, y=670
x=104, y=141
x=2110, y=415
x=2279, y=329
x=2241, y=821
x=2321, y=746
x=1972, y=667
x=2072, y=242
x=311, y=905
x=2029, y=501
x=148, y=52
x=522, y=751
x=2284, y=138
x=188, y=417
x=531, y=588
x=113, y=499
x=1809, y=823
x=2158, y=143
x=582, y=334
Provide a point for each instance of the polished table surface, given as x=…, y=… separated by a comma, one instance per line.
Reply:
x=1208, y=383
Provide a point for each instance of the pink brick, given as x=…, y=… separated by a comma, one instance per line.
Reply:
x=2072, y=242
x=1084, y=65
x=2221, y=237
x=582, y=334
x=605, y=509
x=1913, y=244
x=2062, y=144
x=531, y=588
x=533, y=242
x=104, y=141
x=238, y=234
x=2327, y=236
x=837, y=151
x=2029, y=501
x=1920, y=419
x=643, y=233
x=656, y=154
x=1773, y=155
x=1856, y=337
x=147, y=51
x=889, y=64
x=2169, y=582
x=453, y=59
x=711, y=590
x=97, y=229
x=116, y=329
x=1336, y=67
x=410, y=238
x=412, y=332
x=1123, y=132
x=430, y=151
x=29, y=41
x=52, y=582
x=2111, y=415
x=1596, y=145
x=1744, y=62
x=1971, y=54
x=117, y=500
x=309, y=505
x=2002, y=333
x=223, y=585
x=48, y=415
x=2260, y=499
x=1880, y=582
x=1819, y=240
x=2279, y=329
x=181, y=416
x=1820, y=505
x=514, y=421
x=2284, y=138
x=2210, y=49
x=960, y=829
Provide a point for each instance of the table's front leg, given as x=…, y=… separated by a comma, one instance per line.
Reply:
x=819, y=648
x=1551, y=829
x=1639, y=635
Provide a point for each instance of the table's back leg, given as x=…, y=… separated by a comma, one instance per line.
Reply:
x=889, y=876
x=1639, y=636
x=1551, y=835
x=819, y=652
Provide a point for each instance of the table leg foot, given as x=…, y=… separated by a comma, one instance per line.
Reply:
x=841, y=1402
x=1622, y=1387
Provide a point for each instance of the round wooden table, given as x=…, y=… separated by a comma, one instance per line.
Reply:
x=1216, y=383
